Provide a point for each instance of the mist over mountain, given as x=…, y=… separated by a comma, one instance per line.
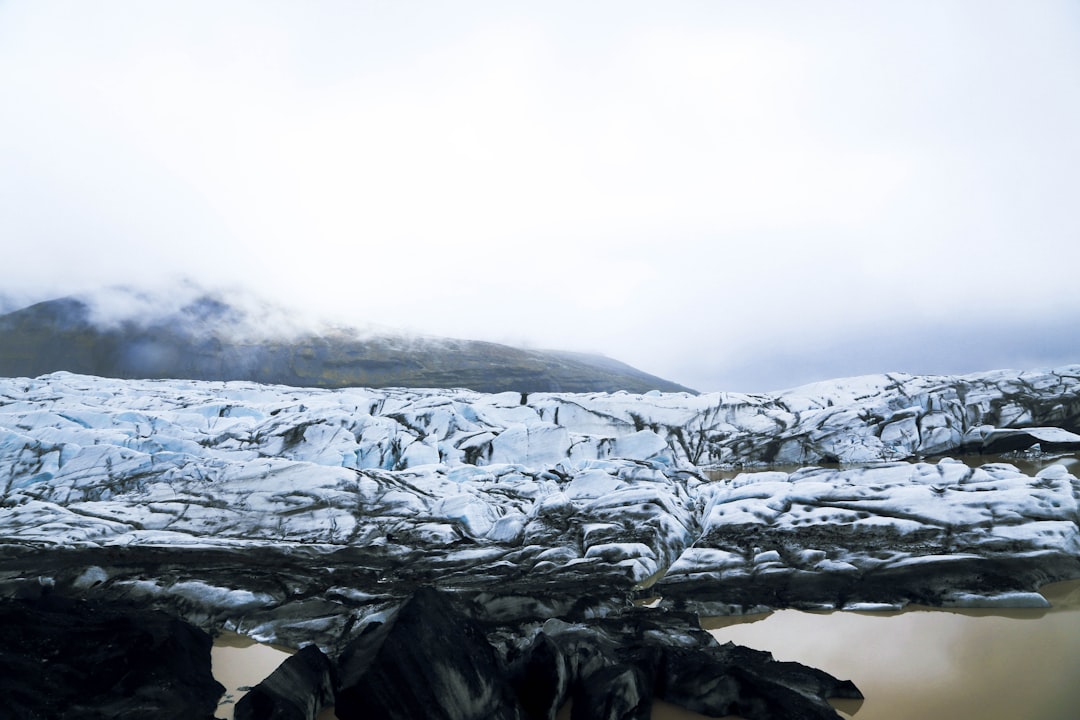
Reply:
x=204, y=335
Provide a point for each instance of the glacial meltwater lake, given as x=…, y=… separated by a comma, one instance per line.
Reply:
x=998, y=664
x=919, y=663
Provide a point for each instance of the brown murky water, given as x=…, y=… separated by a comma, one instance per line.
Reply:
x=931, y=663
x=919, y=663
x=240, y=663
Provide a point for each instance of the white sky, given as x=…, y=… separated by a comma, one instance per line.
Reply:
x=733, y=195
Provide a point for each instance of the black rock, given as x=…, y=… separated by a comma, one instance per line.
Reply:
x=92, y=661
x=542, y=679
x=428, y=661
x=613, y=667
x=733, y=680
x=615, y=692
x=298, y=690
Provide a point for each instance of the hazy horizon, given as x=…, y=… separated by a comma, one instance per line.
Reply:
x=730, y=195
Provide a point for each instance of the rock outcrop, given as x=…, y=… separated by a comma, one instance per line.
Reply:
x=613, y=668
x=61, y=658
x=302, y=686
x=426, y=660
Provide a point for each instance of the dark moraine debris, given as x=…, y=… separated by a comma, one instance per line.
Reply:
x=615, y=692
x=298, y=690
x=67, y=659
x=429, y=660
x=433, y=660
x=613, y=667
x=734, y=680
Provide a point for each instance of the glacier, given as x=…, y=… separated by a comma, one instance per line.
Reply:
x=303, y=516
x=526, y=486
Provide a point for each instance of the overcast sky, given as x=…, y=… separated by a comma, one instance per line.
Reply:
x=732, y=195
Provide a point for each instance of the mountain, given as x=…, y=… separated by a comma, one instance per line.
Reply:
x=210, y=338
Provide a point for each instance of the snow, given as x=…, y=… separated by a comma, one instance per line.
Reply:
x=217, y=597
x=90, y=577
x=641, y=445
x=1000, y=600
x=593, y=480
x=531, y=445
x=475, y=516
x=592, y=484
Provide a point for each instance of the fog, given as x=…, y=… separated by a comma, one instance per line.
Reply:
x=732, y=195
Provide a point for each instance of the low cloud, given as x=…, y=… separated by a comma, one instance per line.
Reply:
x=721, y=194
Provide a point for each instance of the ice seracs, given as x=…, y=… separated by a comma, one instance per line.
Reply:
x=305, y=516
x=608, y=488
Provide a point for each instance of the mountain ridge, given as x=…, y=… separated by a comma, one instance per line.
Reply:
x=209, y=338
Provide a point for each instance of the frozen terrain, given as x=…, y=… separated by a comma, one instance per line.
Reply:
x=303, y=515
x=546, y=489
